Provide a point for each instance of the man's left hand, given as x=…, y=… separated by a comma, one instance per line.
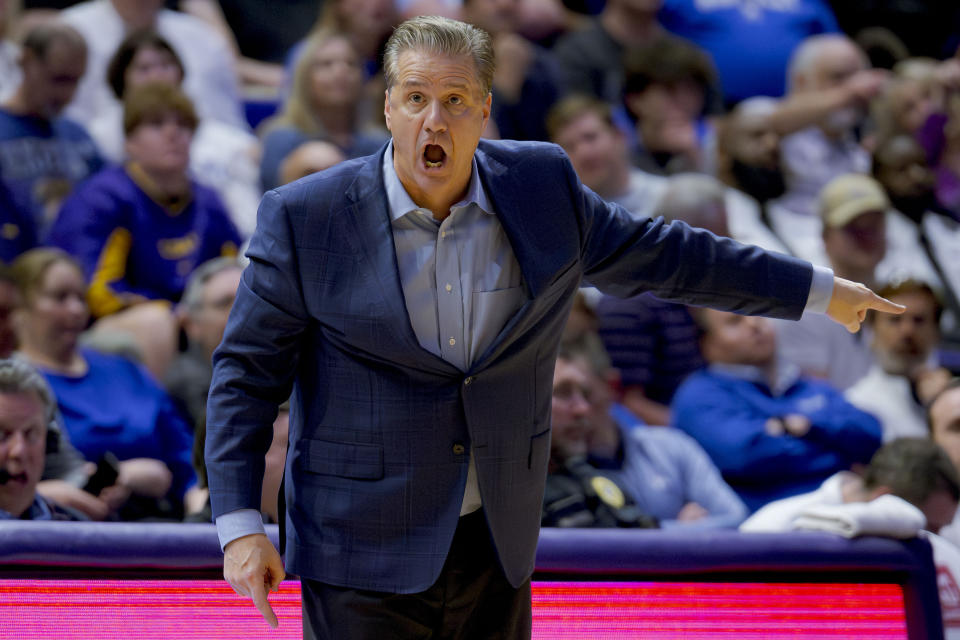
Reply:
x=851, y=301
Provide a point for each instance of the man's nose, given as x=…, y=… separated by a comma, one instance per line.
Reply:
x=435, y=121
x=771, y=142
x=580, y=405
x=14, y=446
x=76, y=304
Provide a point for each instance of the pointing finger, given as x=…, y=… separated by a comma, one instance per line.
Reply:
x=882, y=304
x=259, y=595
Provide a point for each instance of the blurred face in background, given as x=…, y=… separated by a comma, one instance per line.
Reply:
x=54, y=315
x=336, y=75
x=205, y=325
x=161, y=144
x=50, y=82
x=152, y=64
x=903, y=343
x=570, y=409
x=753, y=141
x=753, y=148
x=734, y=339
x=901, y=167
x=858, y=246
x=836, y=62
x=23, y=432
x=597, y=151
x=945, y=423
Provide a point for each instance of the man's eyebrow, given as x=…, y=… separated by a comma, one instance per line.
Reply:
x=456, y=84
x=412, y=83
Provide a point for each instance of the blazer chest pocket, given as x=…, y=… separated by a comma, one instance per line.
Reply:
x=344, y=459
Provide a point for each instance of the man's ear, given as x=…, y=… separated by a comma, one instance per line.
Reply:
x=386, y=108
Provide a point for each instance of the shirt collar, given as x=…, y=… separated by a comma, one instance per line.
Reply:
x=401, y=203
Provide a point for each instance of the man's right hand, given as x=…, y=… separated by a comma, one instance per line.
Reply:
x=253, y=568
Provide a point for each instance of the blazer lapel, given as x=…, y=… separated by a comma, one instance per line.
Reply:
x=518, y=211
x=371, y=218
x=526, y=227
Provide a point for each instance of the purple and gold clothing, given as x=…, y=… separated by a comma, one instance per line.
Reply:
x=131, y=246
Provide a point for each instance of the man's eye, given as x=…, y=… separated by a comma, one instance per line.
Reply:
x=416, y=98
x=457, y=100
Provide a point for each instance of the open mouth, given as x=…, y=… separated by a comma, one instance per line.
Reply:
x=20, y=478
x=434, y=156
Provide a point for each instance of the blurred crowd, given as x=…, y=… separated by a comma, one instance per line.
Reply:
x=138, y=136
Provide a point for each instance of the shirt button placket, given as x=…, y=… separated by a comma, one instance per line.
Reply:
x=450, y=302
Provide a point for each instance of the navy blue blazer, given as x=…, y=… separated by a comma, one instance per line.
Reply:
x=380, y=428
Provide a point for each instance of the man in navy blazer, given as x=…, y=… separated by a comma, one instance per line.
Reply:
x=413, y=302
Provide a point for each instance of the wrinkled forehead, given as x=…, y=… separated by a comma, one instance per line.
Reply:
x=21, y=410
x=840, y=57
x=424, y=66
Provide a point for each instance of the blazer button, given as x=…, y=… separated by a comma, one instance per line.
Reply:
x=468, y=381
x=459, y=449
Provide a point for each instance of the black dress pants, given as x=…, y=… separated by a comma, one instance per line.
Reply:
x=471, y=600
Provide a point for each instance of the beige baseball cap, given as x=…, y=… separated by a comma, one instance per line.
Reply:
x=848, y=196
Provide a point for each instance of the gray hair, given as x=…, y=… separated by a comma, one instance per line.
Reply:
x=437, y=34
x=695, y=198
x=17, y=376
x=756, y=106
x=807, y=53
x=192, y=300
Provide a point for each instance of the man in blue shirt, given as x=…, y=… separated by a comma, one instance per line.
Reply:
x=413, y=302
x=772, y=432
